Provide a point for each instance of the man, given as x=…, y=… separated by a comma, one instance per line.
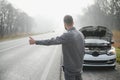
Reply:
x=72, y=46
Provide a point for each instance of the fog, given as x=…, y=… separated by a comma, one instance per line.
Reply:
x=48, y=14
x=51, y=23
x=47, y=23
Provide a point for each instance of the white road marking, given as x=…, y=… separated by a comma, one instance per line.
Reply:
x=46, y=71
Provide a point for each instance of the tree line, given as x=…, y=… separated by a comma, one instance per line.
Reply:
x=13, y=21
x=104, y=13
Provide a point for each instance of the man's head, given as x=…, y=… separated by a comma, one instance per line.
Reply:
x=68, y=22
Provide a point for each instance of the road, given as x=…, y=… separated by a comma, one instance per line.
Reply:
x=21, y=61
x=92, y=73
x=102, y=74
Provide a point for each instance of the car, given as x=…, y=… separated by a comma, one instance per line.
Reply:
x=99, y=51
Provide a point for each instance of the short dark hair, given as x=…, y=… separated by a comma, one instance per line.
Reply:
x=68, y=20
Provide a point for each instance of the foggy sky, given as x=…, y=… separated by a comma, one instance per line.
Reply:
x=49, y=14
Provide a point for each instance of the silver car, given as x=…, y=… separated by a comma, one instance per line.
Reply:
x=98, y=47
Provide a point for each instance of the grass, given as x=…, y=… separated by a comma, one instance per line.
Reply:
x=118, y=55
x=116, y=37
x=17, y=36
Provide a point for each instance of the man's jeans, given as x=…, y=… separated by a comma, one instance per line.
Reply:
x=72, y=75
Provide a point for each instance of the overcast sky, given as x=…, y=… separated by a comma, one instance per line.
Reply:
x=51, y=7
x=53, y=10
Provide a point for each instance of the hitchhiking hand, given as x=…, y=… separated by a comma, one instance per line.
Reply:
x=31, y=41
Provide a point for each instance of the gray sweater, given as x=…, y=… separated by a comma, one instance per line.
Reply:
x=72, y=46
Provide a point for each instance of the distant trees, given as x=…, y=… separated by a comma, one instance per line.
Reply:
x=13, y=21
x=103, y=12
x=111, y=8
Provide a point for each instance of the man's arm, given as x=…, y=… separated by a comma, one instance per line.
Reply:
x=53, y=41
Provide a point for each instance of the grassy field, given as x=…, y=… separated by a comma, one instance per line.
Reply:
x=118, y=55
x=116, y=37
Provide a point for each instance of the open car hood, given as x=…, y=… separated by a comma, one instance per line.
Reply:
x=97, y=32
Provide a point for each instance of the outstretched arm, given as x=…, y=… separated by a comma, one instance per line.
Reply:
x=53, y=41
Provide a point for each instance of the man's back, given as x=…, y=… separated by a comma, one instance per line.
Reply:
x=73, y=51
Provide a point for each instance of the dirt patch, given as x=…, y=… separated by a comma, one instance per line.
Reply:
x=116, y=37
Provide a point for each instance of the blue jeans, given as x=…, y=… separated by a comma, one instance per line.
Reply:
x=72, y=75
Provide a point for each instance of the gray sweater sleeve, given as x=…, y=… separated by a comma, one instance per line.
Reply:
x=54, y=41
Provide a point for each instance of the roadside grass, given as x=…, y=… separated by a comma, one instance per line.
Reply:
x=17, y=36
x=116, y=37
x=22, y=35
x=118, y=55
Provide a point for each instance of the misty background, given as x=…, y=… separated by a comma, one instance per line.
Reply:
x=15, y=21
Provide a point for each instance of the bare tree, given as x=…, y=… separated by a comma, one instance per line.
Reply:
x=104, y=13
x=13, y=21
x=3, y=12
x=111, y=8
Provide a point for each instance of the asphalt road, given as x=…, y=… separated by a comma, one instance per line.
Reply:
x=21, y=61
x=99, y=73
